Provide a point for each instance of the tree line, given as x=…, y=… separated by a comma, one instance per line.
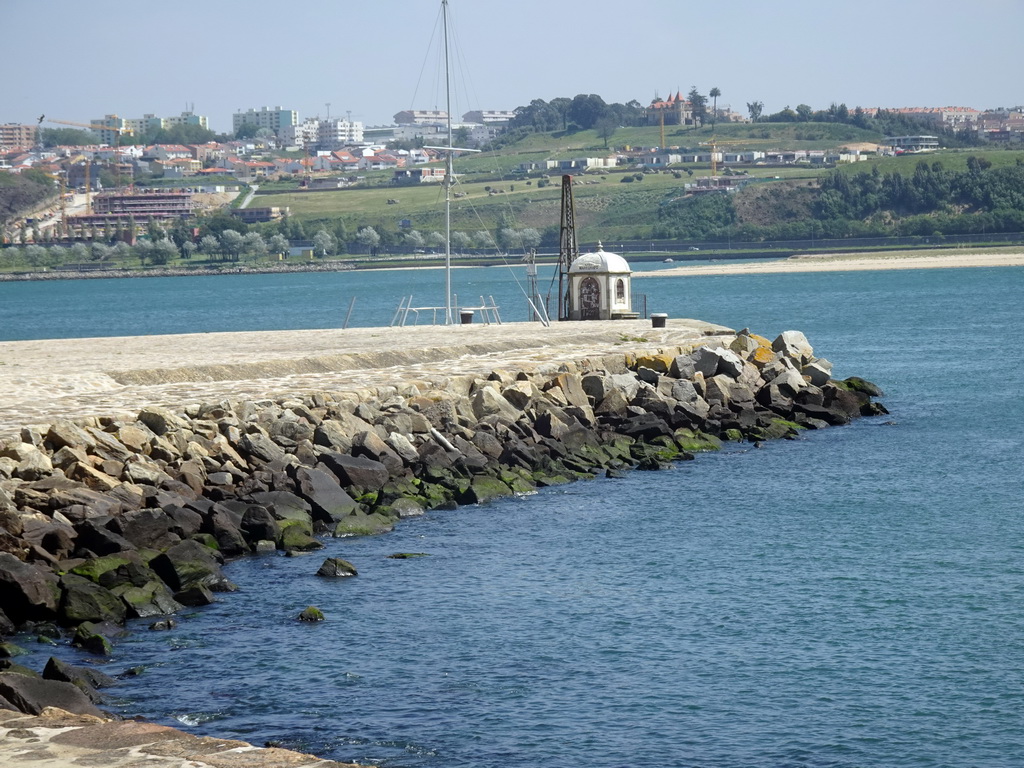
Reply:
x=932, y=201
x=223, y=238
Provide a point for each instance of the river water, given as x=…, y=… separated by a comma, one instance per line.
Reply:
x=851, y=599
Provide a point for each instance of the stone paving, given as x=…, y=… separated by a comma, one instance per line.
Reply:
x=41, y=381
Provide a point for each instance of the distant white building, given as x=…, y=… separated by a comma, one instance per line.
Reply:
x=421, y=117
x=147, y=124
x=322, y=135
x=274, y=119
x=912, y=143
x=487, y=116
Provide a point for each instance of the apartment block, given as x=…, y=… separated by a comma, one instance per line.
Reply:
x=274, y=119
x=14, y=135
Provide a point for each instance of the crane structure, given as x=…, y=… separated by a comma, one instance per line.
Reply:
x=715, y=144
x=568, y=248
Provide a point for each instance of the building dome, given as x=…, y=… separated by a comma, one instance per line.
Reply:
x=601, y=261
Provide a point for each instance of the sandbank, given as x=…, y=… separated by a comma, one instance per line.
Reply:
x=851, y=262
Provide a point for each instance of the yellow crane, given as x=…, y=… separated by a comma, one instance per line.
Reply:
x=715, y=144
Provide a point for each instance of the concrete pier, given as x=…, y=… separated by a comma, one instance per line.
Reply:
x=41, y=381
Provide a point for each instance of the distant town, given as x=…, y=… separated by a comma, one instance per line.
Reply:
x=153, y=168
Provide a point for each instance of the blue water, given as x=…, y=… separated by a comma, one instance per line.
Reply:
x=854, y=598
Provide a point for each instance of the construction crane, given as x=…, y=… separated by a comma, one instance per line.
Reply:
x=715, y=144
x=116, y=130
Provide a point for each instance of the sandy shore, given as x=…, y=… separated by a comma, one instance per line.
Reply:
x=850, y=263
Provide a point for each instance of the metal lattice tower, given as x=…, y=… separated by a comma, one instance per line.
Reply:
x=568, y=249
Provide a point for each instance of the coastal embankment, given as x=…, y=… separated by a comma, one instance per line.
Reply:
x=132, y=468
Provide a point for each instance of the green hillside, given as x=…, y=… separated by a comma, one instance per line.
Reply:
x=620, y=203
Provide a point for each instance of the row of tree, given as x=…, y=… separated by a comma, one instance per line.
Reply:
x=162, y=246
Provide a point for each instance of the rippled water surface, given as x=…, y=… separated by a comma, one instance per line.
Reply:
x=854, y=598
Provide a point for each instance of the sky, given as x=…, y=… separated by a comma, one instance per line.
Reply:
x=78, y=61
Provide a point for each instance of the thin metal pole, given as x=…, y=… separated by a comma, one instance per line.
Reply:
x=447, y=177
x=349, y=313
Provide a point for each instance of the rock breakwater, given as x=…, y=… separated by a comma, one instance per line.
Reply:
x=108, y=518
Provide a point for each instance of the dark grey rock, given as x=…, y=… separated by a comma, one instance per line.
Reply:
x=27, y=592
x=32, y=695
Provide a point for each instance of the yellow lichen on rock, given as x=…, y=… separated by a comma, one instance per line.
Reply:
x=656, y=362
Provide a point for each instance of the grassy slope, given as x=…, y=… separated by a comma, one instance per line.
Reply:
x=605, y=207
x=953, y=160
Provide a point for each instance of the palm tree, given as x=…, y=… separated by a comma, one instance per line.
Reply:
x=714, y=93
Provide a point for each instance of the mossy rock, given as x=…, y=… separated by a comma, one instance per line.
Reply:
x=695, y=441
x=517, y=481
x=434, y=495
x=544, y=480
x=207, y=540
x=6, y=665
x=784, y=428
x=483, y=488
x=304, y=525
x=335, y=567
x=857, y=384
x=10, y=650
x=93, y=569
x=91, y=641
x=399, y=508
x=84, y=600
x=368, y=499
x=733, y=435
x=397, y=489
x=312, y=613
x=619, y=447
x=594, y=456
x=152, y=599
x=362, y=524
x=294, y=538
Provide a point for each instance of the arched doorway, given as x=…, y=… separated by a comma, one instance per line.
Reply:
x=590, y=299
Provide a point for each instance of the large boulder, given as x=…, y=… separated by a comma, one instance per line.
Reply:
x=359, y=472
x=84, y=600
x=160, y=421
x=483, y=488
x=794, y=345
x=96, y=537
x=259, y=525
x=150, y=599
x=330, y=502
x=84, y=678
x=224, y=523
x=371, y=445
x=34, y=694
x=27, y=592
x=261, y=447
x=188, y=564
x=149, y=529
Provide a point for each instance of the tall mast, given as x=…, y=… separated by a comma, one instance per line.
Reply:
x=447, y=175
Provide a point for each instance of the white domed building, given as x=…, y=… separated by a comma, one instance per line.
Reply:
x=599, y=287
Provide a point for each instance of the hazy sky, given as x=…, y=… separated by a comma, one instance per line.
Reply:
x=78, y=60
